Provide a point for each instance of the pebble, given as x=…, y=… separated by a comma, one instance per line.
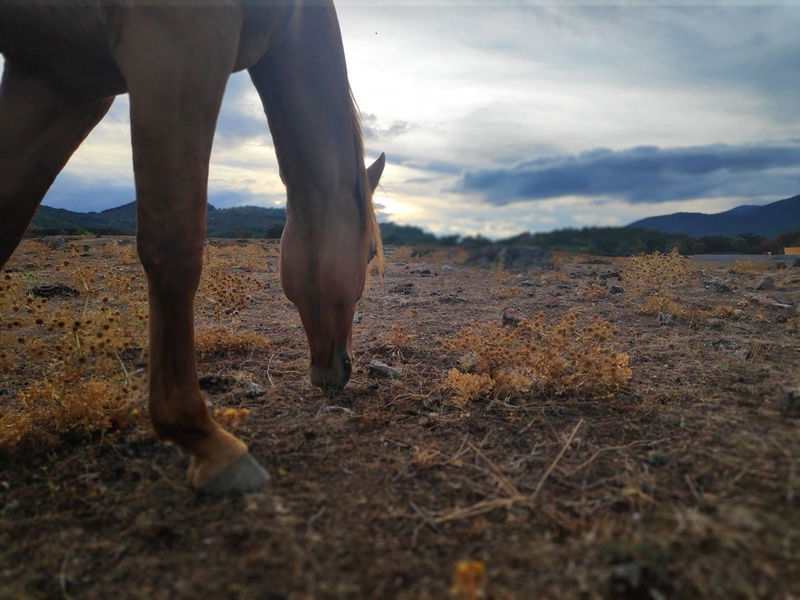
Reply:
x=513, y=316
x=766, y=283
x=379, y=369
x=253, y=390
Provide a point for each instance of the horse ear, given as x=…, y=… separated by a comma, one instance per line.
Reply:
x=375, y=170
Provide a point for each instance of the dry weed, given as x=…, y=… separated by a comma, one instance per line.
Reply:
x=469, y=580
x=593, y=292
x=657, y=272
x=77, y=363
x=216, y=341
x=231, y=417
x=564, y=360
x=506, y=292
x=746, y=267
x=401, y=254
x=398, y=338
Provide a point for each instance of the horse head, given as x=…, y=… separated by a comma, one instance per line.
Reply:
x=325, y=254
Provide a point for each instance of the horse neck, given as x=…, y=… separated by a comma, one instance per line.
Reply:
x=306, y=95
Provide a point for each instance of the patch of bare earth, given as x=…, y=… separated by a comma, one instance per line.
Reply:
x=683, y=485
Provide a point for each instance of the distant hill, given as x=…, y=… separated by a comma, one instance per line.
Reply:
x=767, y=221
x=240, y=221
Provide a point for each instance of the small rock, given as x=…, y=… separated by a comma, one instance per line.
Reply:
x=357, y=318
x=727, y=346
x=216, y=384
x=714, y=323
x=611, y=275
x=342, y=410
x=451, y=300
x=550, y=300
x=512, y=317
x=616, y=289
x=789, y=401
x=766, y=283
x=596, y=261
x=379, y=369
x=56, y=243
x=658, y=458
x=716, y=284
x=447, y=268
x=53, y=290
x=631, y=581
x=527, y=283
x=253, y=390
x=664, y=318
x=765, y=300
x=403, y=288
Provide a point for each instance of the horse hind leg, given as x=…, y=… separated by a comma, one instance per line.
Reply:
x=174, y=105
x=40, y=128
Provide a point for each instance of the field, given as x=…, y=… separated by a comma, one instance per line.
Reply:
x=625, y=434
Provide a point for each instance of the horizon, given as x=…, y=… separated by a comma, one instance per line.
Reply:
x=500, y=119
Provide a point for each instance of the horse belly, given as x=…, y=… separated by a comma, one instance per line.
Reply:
x=68, y=43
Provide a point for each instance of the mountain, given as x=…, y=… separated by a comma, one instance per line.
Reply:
x=240, y=221
x=767, y=221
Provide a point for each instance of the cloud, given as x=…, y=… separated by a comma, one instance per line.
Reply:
x=89, y=194
x=644, y=174
x=241, y=118
x=372, y=131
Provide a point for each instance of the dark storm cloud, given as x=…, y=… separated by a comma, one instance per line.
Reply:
x=645, y=174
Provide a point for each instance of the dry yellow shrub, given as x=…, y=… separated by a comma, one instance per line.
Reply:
x=230, y=417
x=593, y=292
x=565, y=359
x=210, y=341
x=73, y=359
x=469, y=580
x=398, y=337
x=744, y=267
x=505, y=292
x=657, y=272
x=401, y=254
x=467, y=386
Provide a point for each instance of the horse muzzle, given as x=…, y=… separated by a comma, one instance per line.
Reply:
x=334, y=377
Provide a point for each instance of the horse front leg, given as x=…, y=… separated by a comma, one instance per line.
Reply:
x=176, y=90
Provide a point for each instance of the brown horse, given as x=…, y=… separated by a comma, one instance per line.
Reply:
x=65, y=62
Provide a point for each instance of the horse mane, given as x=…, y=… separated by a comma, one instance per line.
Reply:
x=364, y=193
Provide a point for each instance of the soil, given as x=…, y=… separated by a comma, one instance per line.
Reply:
x=685, y=485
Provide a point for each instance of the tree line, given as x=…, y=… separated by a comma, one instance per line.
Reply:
x=604, y=241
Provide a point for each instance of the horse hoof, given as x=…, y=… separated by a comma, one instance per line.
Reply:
x=244, y=476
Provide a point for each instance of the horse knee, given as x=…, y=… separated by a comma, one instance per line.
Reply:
x=171, y=269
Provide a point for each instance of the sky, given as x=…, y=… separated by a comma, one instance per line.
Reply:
x=502, y=117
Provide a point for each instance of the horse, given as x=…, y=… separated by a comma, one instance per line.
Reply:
x=64, y=64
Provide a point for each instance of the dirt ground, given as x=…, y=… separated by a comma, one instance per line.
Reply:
x=683, y=485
